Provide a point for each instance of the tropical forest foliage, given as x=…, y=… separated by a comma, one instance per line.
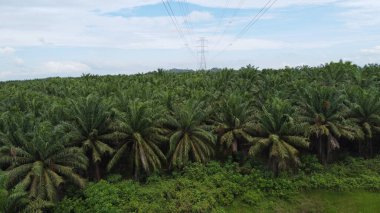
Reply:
x=66, y=136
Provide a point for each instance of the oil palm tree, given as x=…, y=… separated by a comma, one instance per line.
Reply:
x=365, y=111
x=325, y=112
x=142, y=140
x=11, y=201
x=278, y=136
x=16, y=200
x=188, y=138
x=233, y=122
x=13, y=126
x=39, y=163
x=92, y=127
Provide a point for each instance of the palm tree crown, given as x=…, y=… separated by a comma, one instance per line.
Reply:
x=40, y=163
x=92, y=128
x=365, y=111
x=233, y=122
x=278, y=135
x=142, y=138
x=326, y=114
x=188, y=139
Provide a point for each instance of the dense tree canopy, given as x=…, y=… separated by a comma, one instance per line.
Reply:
x=58, y=132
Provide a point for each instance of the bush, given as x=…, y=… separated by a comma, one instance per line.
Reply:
x=310, y=164
x=210, y=187
x=252, y=197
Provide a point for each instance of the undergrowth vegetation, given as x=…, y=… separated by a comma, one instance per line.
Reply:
x=213, y=187
x=193, y=141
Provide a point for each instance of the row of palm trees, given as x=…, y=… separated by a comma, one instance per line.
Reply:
x=40, y=157
x=51, y=135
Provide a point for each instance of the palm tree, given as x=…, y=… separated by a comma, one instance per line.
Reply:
x=92, y=128
x=17, y=200
x=40, y=163
x=365, y=111
x=324, y=111
x=278, y=135
x=14, y=125
x=143, y=138
x=188, y=139
x=11, y=201
x=233, y=122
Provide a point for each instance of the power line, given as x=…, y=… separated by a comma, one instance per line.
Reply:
x=253, y=21
x=169, y=6
x=229, y=23
x=182, y=9
x=186, y=27
x=174, y=20
x=227, y=5
x=258, y=16
x=188, y=11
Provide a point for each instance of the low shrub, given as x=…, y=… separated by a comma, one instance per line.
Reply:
x=210, y=187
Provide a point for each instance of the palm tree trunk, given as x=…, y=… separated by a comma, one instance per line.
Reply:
x=136, y=173
x=234, y=151
x=322, y=151
x=97, y=172
x=276, y=170
x=327, y=149
x=272, y=163
x=234, y=146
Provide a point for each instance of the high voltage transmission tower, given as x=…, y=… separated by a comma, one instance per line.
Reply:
x=186, y=27
x=202, y=53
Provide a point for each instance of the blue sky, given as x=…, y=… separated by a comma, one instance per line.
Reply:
x=46, y=38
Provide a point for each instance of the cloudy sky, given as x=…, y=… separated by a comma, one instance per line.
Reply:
x=45, y=38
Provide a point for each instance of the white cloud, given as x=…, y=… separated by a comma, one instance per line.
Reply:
x=374, y=50
x=359, y=14
x=253, y=44
x=197, y=16
x=18, y=61
x=7, y=50
x=4, y=75
x=260, y=3
x=77, y=24
x=267, y=44
x=103, y=5
x=65, y=67
x=85, y=29
x=74, y=23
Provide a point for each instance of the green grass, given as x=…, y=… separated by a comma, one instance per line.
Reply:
x=320, y=201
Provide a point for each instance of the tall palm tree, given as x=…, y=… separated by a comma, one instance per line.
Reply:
x=142, y=138
x=39, y=163
x=233, y=122
x=278, y=136
x=16, y=200
x=92, y=127
x=188, y=138
x=365, y=111
x=11, y=201
x=324, y=111
x=14, y=125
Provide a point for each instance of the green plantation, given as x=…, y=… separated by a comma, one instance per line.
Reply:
x=303, y=139
x=230, y=188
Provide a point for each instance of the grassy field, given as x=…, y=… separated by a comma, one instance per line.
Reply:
x=321, y=201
